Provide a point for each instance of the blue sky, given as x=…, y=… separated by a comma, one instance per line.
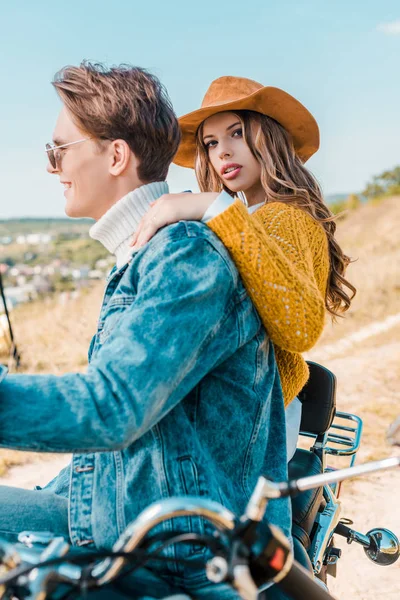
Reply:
x=341, y=59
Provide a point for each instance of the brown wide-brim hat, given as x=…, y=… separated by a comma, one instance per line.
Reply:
x=238, y=93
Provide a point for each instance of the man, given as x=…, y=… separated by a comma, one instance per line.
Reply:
x=182, y=394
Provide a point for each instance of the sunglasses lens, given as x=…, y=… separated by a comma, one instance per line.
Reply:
x=50, y=154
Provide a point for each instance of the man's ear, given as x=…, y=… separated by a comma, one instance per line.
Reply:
x=120, y=157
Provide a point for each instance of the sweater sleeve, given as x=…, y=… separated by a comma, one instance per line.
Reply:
x=278, y=265
x=221, y=203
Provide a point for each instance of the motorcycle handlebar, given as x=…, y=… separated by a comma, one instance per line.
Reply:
x=299, y=585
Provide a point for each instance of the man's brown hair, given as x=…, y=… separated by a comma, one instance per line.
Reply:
x=127, y=103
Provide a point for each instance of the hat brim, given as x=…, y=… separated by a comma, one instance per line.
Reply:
x=270, y=101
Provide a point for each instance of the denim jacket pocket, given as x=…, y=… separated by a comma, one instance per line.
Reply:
x=115, y=310
x=190, y=484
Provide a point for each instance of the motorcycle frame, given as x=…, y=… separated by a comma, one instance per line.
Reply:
x=339, y=440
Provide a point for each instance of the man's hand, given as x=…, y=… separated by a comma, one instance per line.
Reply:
x=171, y=208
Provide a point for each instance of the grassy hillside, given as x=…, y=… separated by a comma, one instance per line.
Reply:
x=370, y=235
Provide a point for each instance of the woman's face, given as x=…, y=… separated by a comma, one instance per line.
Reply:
x=230, y=155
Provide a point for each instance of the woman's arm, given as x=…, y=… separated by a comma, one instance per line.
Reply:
x=280, y=252
x=171, y=208
x=282, y=256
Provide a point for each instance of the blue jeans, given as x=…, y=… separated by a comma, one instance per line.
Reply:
x=32, y=510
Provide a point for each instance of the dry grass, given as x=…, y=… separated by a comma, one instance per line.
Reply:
x=53, y=336
x=370, y=235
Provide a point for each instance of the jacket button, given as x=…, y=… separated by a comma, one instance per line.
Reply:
x=84, y=469
x=84, y=542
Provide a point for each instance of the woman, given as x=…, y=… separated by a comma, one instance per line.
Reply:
x=252, y=141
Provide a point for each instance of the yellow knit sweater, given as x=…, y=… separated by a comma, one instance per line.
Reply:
x=282, y=255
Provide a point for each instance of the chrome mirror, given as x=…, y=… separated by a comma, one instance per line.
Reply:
x=384, y=548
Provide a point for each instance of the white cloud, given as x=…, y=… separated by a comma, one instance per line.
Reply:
x=392, y=28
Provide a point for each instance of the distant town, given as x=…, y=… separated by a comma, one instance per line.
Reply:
x=43, y=257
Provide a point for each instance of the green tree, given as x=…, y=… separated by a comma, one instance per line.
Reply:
x=385, y=184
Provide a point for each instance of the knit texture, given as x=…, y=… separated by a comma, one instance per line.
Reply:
x=282, y=255
x=117, y=226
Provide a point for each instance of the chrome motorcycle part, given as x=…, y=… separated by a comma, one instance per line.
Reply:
x=359, y=538
x=345, y=445
x=309, y=483
x=217, y=569
x=335, y=487
x=326, y=523
x=333, y=555
x=380, y=545
x=384, y=548
x=265, y=490
x=351, y=441
x=40, y=579
x=219, y=516
x=35, y=537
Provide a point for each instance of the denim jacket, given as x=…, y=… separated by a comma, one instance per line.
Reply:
x=181, y=397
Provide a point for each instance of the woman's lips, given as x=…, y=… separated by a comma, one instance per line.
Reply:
x=232, y=174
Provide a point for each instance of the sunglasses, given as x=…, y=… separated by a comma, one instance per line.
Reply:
x=54, y=156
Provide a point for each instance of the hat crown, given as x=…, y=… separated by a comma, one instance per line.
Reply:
x=228, y=89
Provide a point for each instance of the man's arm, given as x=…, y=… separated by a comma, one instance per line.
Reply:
x=161, y=347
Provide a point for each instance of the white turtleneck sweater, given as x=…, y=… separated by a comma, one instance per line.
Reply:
x=117, y=226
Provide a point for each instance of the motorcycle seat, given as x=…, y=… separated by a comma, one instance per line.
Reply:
x=305, y=506
x=318, y=399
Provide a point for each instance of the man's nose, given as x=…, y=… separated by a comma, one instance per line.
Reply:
x=50, y=169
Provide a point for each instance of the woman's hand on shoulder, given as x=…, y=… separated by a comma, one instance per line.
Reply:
x=171, y=208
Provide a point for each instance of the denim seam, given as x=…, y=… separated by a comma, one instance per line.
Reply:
x=163, y=481
x=193, y=520
x=250, y=446
x=119, y=494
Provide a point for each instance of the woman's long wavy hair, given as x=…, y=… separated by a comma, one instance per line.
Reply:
x=285, y=179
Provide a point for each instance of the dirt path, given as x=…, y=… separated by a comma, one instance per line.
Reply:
x=370, y=503
x=369, y=385
x=37, y=472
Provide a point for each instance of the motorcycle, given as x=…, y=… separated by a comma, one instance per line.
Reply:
x=248, y=553
x=317, y=513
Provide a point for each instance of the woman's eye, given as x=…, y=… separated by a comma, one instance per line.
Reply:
x=239, y=132
x=211, y=144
